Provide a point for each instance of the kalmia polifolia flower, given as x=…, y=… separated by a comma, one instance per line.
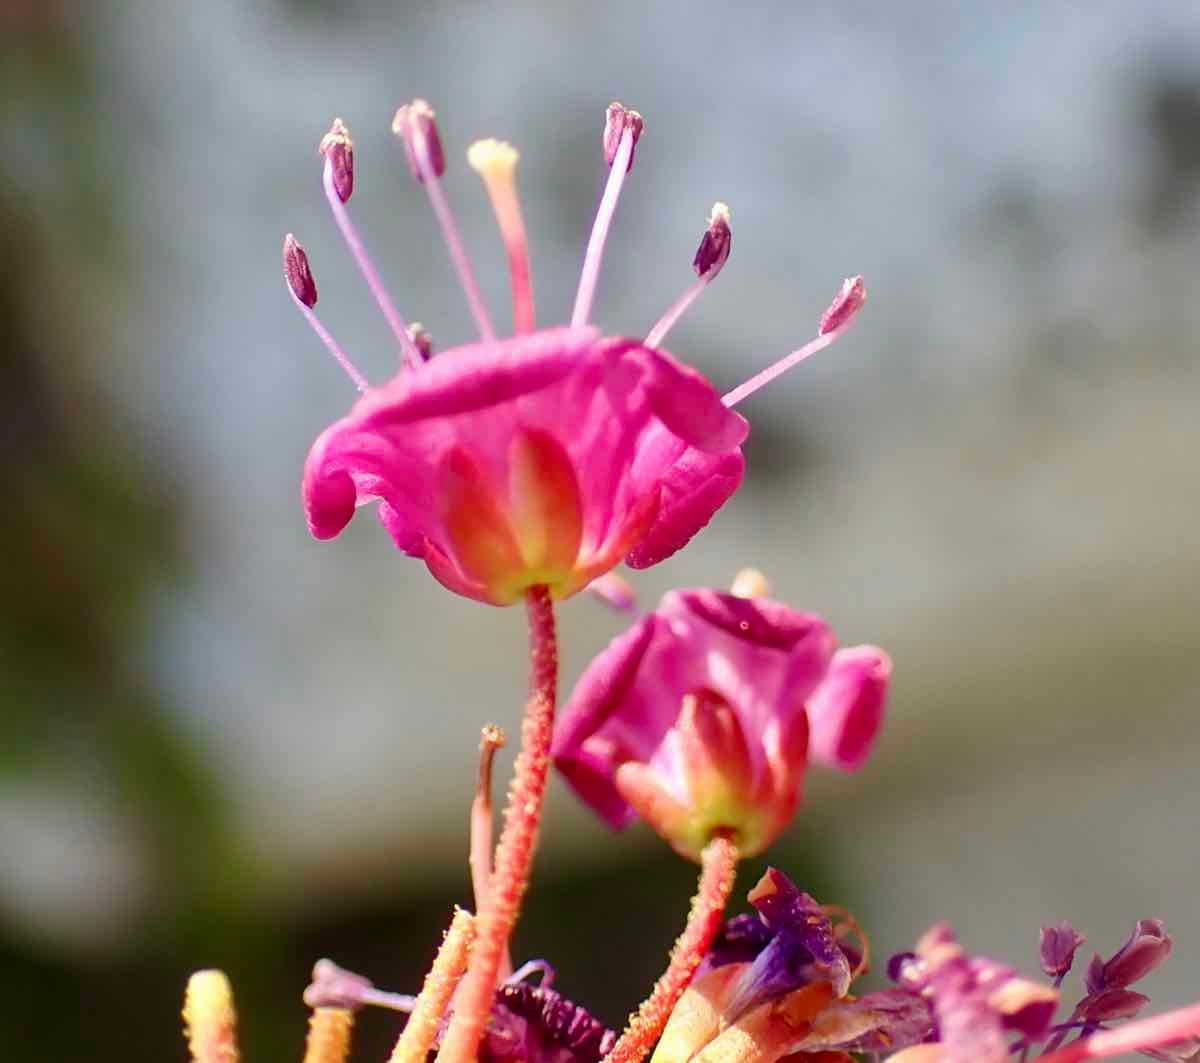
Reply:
x=545, y=458
x=778, y=983
x=702, y=718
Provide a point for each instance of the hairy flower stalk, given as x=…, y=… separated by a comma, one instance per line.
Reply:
x=329, y=1032
x=514, y=855
x=441, y=981
x=718, y=865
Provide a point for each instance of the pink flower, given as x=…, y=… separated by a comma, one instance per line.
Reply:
x=704, y=715
x=541, y=459
x=544, y=459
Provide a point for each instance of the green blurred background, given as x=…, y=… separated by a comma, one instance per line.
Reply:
x=224, y=744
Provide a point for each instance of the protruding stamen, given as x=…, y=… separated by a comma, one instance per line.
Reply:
x=834, y=322
x=338, y=181
x=303, y=290
x=709, y=260
x=621, y=131
x=845, y=305
x=496, y=162
x=416, y=125
x=416, y=122
x=209, y=1018
x=422, y=340
x=617, y=119
x=338, y=149
x=335, y=987
x=443, y=977
x=491, y=741
x=750, y=583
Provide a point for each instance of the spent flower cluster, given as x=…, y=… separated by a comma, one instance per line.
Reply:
x=525, y=468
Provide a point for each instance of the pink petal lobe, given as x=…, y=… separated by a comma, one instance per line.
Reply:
x=547, y=512
x=846, y=710
x=694, y=487
x=476, y=524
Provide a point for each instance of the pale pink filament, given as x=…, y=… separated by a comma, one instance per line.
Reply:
x=332, y=345
x=604, y=216
x=342, y=216
x=454, y=243
x=761, y=380
x=677, y=309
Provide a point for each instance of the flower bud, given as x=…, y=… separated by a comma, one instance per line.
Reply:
x=1144, y=950
x=1057, y=948
x=297, y=273
x=617, y=119
x=416, y=126
x=338, y=149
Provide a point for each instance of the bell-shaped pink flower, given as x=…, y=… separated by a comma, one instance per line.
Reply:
x=546, y=458
x=698, y=719
x=540, y=459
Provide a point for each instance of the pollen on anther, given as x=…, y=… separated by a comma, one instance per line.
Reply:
x=492, y=157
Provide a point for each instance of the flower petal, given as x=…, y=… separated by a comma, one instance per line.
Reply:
x=845, y=712
x=694, y=487
x=589, y=765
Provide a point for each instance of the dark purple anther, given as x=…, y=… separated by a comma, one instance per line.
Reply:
x=416, y=125
x=847, y=303
x=1145, y=949
x=338, y=149
x=616, y=120
x=715, y=243
x=297, y=273
x=421, y=340
x=1057, y=947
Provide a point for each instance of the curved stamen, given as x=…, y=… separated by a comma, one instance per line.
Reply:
x=415, y=123
x=710, y=259
x=496, y=163
x=374, y=282
x=620, y=160
x=303, y=290
x=835, y=321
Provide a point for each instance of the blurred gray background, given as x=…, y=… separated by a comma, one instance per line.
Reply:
x=224, y=743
